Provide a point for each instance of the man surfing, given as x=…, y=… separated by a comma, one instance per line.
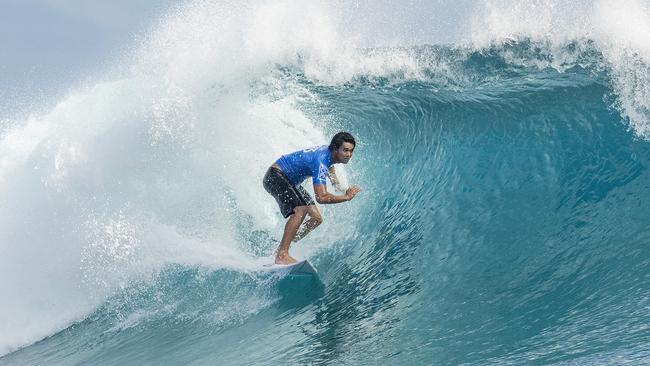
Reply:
x=282, y=180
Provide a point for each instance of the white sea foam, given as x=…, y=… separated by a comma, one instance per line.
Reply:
x=127, y=176
x=619, y=30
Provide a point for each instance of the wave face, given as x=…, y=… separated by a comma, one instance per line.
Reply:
x=504, y=216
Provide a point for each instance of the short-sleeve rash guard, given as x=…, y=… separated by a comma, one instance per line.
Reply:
x=299, y=165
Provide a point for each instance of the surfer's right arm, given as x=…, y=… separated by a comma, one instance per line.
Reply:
x=324, y=197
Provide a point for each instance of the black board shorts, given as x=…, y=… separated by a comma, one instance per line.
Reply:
x=286, y=194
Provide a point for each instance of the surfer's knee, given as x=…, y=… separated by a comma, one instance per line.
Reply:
x=300, y=211
x=315, y=218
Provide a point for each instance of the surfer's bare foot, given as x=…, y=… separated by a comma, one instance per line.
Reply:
x=284, y=259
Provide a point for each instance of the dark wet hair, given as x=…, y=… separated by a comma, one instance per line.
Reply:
x=339, y=139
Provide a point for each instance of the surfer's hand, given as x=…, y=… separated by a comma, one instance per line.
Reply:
x=351, y=192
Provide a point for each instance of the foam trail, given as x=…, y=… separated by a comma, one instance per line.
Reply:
x=123, y=178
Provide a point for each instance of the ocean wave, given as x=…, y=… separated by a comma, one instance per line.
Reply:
x=502, y=218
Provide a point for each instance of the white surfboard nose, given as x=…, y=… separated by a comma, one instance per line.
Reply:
x=300, y=268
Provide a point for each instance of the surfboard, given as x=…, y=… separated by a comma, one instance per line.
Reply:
x=302, y=268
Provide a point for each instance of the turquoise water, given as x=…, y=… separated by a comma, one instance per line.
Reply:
x=503, y=219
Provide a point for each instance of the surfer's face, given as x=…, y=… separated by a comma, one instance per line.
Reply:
x=344, y=153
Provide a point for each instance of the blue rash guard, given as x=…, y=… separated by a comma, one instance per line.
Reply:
x=299, y=165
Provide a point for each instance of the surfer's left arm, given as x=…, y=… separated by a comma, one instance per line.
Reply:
x=324, y=197
x=331, y=174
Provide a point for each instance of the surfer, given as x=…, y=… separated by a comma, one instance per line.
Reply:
x=282, y=180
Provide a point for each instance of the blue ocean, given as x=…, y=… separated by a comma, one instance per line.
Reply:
x=504, y=217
